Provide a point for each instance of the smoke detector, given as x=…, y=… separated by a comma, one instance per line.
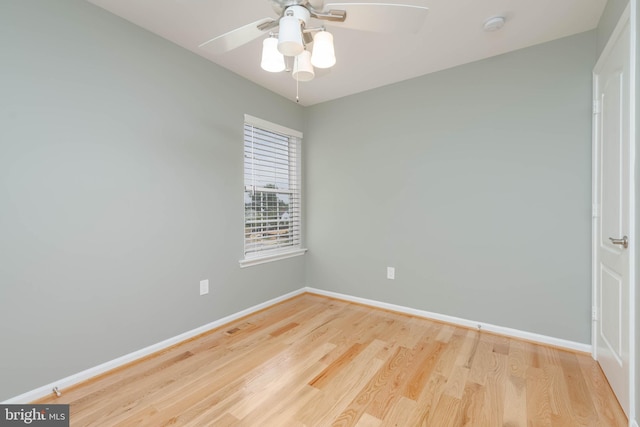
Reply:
x=494, y=24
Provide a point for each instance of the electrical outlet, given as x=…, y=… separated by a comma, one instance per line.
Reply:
x=391, y=273
x=204, y=287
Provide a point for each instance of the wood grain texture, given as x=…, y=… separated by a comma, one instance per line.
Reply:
x=316, y=361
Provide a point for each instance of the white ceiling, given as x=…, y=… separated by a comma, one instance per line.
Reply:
x=451, y=35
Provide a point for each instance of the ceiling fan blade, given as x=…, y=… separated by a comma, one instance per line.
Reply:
x=236, y=38
x=380, y=17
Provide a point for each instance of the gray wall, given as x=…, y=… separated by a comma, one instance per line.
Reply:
x=610, y=16
x=474, y=182
x=120, y=188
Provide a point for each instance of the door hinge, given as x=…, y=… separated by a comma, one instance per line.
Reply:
x=594, y=313
x=596, y=107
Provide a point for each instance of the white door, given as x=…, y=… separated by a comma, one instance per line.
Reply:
x=612, y=167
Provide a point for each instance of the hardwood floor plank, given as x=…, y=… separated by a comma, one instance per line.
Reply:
x=561, y=413
x=274, y=406
x=390, y=378
x=378, y=395
x=427, y=400
x=226, y=420
x=367, y=420
x=399, y=414
x=447, y=360
x=481, y=363
x=457, y=381
x=446, y=413
x=339, y=393
x=416, y=375
x=517, y=359
x=538, y=406
x=515, y=402
x=532, y=354
x=283, y=373
x=316, y=361
x=336, y=366
x=493, y=408
x=468, y=350
x=284, y=329
x=582, y=406
x=286, y=414
x=606, y=405
x=501, y=345
x=446, y=332
x=471, y=405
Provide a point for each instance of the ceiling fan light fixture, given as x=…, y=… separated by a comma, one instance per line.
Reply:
x=302, y=68
x=323, y=55
x=272, y=59
x=290, y=36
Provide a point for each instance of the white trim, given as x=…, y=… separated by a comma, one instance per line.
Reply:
x=633, y=28
x=515, y=333
x=248, y=262
x=273, y=127
x=633, y=423
x=63, y=383
x=595, y=217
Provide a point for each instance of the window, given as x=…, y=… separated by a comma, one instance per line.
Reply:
x=272, y=211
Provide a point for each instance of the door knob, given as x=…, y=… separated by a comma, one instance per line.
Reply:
x=624, y=241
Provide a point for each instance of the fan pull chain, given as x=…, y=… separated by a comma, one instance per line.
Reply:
x=297, y=83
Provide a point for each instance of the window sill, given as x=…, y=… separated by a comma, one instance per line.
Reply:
x=248, y=262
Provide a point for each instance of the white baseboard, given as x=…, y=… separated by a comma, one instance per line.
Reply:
x=515, y=333
x=63, y=383
x=45, y=390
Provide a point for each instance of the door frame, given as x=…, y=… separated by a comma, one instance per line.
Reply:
x=629, y=15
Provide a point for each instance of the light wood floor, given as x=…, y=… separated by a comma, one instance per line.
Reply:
x=314, y=361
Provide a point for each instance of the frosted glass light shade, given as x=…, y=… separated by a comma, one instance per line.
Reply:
x=302, y=68
x=324, y=55
x=272, y=59
x=290, y=36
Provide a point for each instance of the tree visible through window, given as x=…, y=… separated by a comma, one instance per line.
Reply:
x=271, y=189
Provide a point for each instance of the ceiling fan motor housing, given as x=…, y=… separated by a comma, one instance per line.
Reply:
x=279, y=6
x=300, y=12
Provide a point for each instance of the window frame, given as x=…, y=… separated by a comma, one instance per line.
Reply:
x=269, y=255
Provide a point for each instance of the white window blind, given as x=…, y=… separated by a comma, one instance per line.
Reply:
x=272, y=213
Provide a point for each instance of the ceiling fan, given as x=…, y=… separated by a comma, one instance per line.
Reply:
x=291, y=34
